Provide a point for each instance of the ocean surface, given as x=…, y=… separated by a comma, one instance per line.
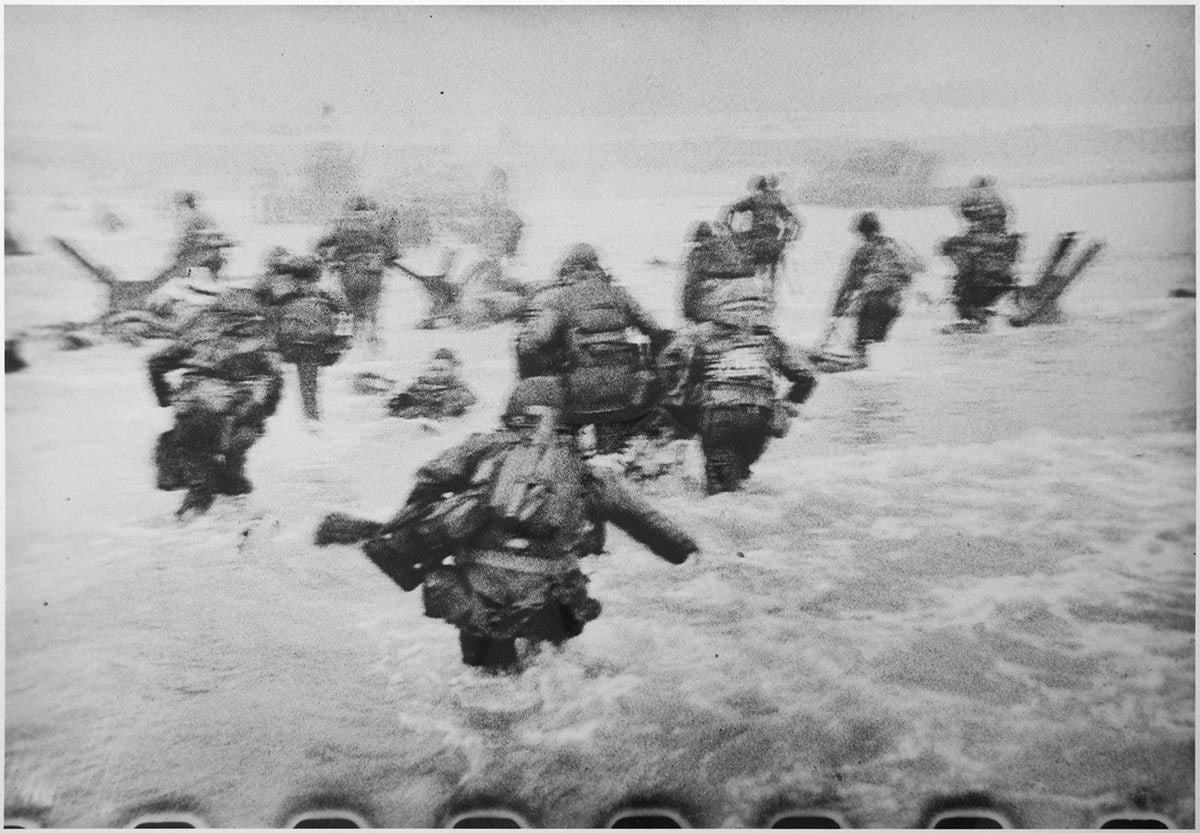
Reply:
x=968, y=571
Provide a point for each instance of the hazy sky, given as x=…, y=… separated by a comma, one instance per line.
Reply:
x=386, y=68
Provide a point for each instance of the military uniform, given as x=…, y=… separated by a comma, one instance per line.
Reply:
x=879, y=272
x=710, y=258
x=516, y=573
x=577, y=328
x=772, y=226
x=361, y=246
x=984, y=263
x=983, y=209
x=434, y=395
x=231, y=384
x=310, y=325
x=198, y=242
x=720, y=383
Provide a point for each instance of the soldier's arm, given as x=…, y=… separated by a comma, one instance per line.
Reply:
x=675, y=362
x=452, y=470
x=617, y=504
x=852, y=281
x=644, y=321
x=160, y=364
x=792, y=364
x=692, y=277
x=538, y=331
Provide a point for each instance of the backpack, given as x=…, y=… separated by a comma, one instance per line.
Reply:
x=738, y=372
x=887, y=270
x=537, y=489
x=740, y=302
x=314, y=320
x=607, y=373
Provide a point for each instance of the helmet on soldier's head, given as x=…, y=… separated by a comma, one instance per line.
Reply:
x=700, y=231
x=581, y=257
x=534, y=392
x=361, y=203
x=983, y=182
x=772, y=181
x=241, y=311
x=276, y=258
x=302, y=267
x=867, y=224
x=185, y=198
x=758, y=183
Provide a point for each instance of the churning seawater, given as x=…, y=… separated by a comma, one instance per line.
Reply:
x=968, y=568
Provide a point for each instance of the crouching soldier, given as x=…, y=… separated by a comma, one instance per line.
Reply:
x=312, y=327
x=230, y=384
x=720, y=382
x=515, y=510
x=438, y=393
x=580, y=328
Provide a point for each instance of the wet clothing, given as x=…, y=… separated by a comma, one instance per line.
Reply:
x=361, y=246
x=873, y=289
x=433, y=396
x=516, y=576
x=715, y=258
x=723, y=286
x=720, y=382
x=772, y=225
x=732, y=438
x=984, y=210
x=984, y=264
x=311, y=328
x=199, y=243
x=499, y=231
x=230, y=385
x=577, y=328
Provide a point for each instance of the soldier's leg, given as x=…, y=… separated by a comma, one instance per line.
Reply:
x=754, y=436
x=722, y=462
x=487, y=654
x=198, y=499
x=306, y=371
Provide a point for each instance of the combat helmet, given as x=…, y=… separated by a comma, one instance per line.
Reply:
x=700, y=232
x=581, y=257
x=533, y=392
x=361, y=202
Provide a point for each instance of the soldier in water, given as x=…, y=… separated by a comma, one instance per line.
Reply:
x=515, y=509
x=772, y=226
x=873, y=289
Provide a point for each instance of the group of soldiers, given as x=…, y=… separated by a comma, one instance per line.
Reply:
x=494, y=528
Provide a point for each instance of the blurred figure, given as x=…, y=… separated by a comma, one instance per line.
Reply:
x=12, y=356
x=873, y=289
x=230, y=383
x=198, y=242
x=772, y=226
x=438, y=393
x=720, y=383
x=360, y=247
x=718, y=277
x=516, y=509
x=982, y=207
x=579, y=328
x=984, y=257
x=312, y=327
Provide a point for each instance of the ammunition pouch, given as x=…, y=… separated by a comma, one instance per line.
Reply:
x=446, y=595
x=401, y=558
